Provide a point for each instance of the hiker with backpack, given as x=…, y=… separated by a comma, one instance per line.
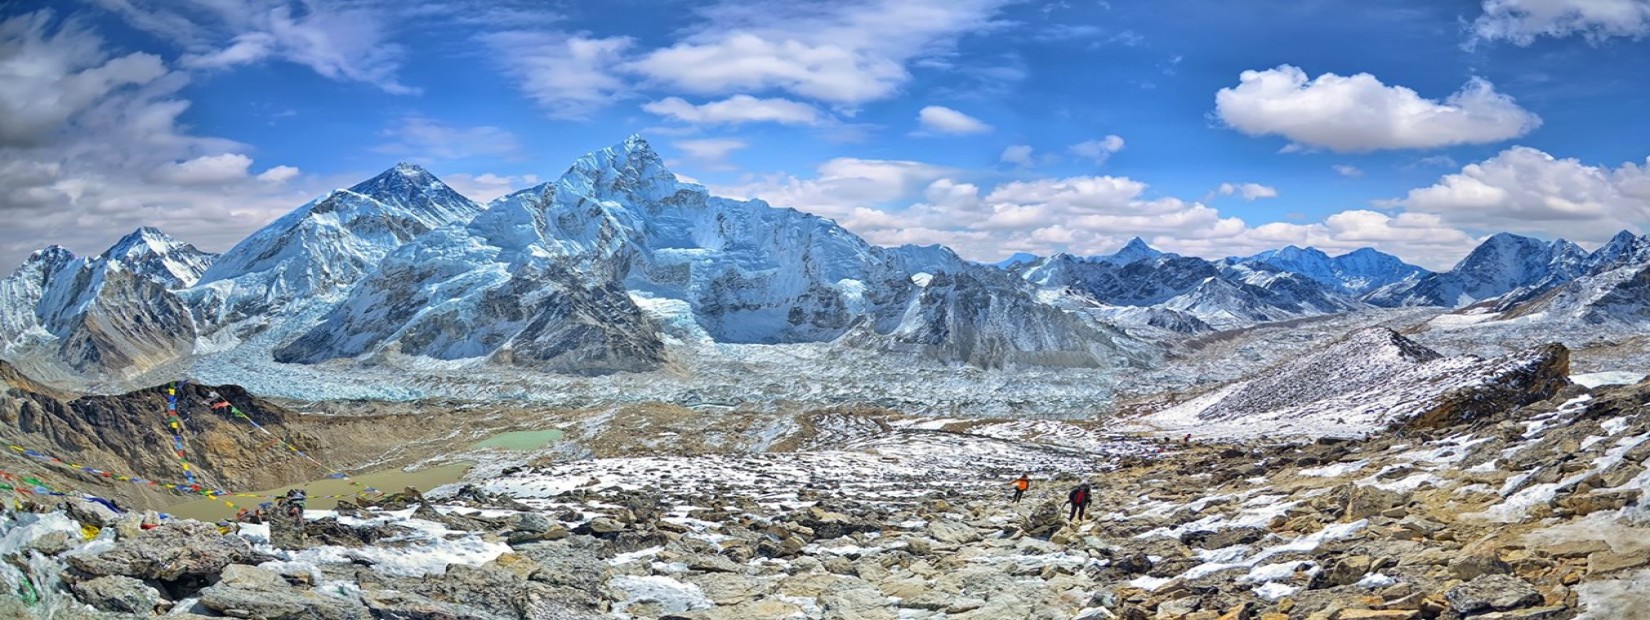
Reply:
x=1079, y=499
x=292, y=505
x=1020, y=487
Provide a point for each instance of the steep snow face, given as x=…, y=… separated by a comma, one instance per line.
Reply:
x=930, y=259
x=153, y=254
x=1504, y=263
x=1356, y=272
x=1621, y=296
x=317, y=251
x=1134, y=251
x=1139, y=283
x=550, y=277
x=1623, y=249
x=113, y=312
x=21, y=292
x=528, y=282
x=979, y=317
x=1245, y=297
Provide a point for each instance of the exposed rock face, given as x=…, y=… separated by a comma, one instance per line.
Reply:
x=1512, y=382
x=1470, y=521
x=116, y=312
x=119, y=594
x=171, y=552
x=126, y=434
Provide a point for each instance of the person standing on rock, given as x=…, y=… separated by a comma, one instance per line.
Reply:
x=1020, y=487
x=1079, y=499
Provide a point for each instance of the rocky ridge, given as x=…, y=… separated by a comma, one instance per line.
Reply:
x=1526, y=512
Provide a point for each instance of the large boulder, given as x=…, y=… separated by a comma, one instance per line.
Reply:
x=1492, y=593
x=247, y=592
x=118, y=594
x=170, y=552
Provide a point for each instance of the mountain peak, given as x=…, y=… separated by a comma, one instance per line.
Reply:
x=144, y=238
x=632, y=168
x=398, y=179
x=1135, y=250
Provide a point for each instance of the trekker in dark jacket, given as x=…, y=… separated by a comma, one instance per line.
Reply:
x=1079, y=499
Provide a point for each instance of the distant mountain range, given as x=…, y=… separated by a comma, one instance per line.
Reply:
x=616, y=265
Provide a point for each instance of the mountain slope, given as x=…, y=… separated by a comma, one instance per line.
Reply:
x=1182, y=293
x=115, y=312
x=550, y=277
x=1502, y=264
x=1356, y=272
x=320, y=249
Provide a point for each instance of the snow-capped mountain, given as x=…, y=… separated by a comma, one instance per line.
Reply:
x=1355, y=272
x=596, y=269
x=116, y=311
x=984, y=317
x=317, y=251
x=1622, y=250
x=1620, y=295
x=1185, y=294
x=1134, y=251
x=1502, y=264
x=929, y=259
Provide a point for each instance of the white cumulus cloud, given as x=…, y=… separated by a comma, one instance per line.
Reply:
x=1523, y=21
x=736, y=110
x=1249, y=191
x=1098, y=150
x=1018, y=154
x=1526, y=190
x=569, y=75
x=946, y=120
x=1359, y=113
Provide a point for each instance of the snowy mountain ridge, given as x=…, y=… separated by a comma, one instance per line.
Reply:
x=617, y=266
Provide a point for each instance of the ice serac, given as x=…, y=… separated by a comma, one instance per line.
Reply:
x=1505, y=263
x=1355, y=272
x=316, y=252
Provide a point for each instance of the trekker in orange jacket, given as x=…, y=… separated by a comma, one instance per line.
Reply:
x=1020, y=487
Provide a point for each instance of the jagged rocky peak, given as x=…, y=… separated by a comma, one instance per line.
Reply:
x=1135, y=250
x=411, y=187
x=44, y=262
x=149, y=252
x=1623, y=249
x=931, y=259
x=629, y=170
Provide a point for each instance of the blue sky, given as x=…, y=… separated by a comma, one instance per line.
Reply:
x=1208, y=128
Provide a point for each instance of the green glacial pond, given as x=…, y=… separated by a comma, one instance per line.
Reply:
x=385, y=480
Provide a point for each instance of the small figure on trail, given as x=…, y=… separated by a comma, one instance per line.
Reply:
x=1188, y=438
x=1020, y=487
x=1079, y=499
x=292, y=505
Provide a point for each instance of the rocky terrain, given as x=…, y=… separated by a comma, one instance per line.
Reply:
x=1516, y=512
